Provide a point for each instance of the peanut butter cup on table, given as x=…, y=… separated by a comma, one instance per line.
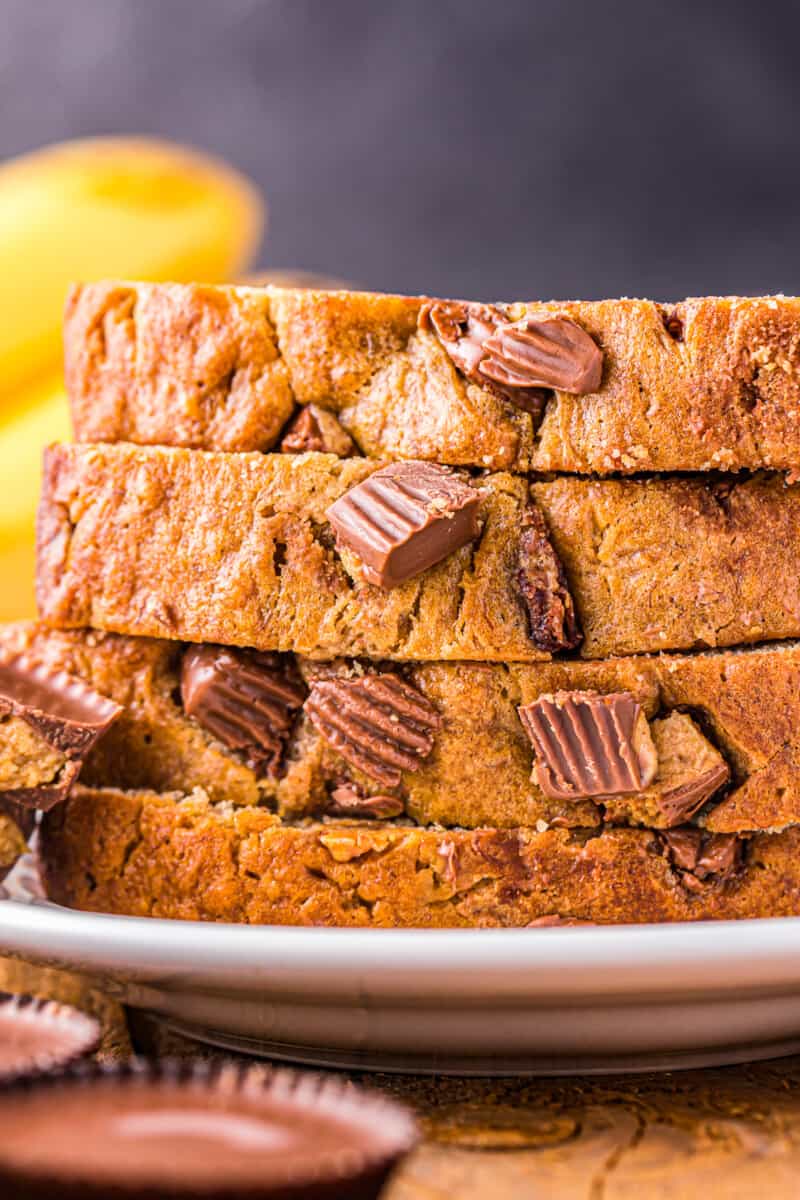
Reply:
x=171, y=1130
x=38, y=1036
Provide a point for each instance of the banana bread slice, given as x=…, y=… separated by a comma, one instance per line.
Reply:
x=239, y=549
x=145, y=854
x=739, y=710
x=707, y=383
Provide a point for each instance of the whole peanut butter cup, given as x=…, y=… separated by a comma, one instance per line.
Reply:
x=179, y=1129
x=39, y=1036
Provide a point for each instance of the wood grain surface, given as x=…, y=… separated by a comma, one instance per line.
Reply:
x=730, y=1133
x=725, y=1134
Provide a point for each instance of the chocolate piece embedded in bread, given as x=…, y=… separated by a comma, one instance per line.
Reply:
x=403, y=519
x=246, y=699
x=314, y=430
x=348, y=801
x=378, y=723
x=518, y=358
x=588, y=744
x=690, y=769
x=544, y=588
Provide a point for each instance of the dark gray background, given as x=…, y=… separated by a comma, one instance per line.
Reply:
x=490, y=148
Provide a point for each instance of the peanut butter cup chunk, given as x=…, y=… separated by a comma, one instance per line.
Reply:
x=703, y=860
x=517, y=358
x=155, y=1132
x=543, y=583
x=315, y=429
x=589, y=745
x=49, y=722
x=380, y=724
x=245, y=698
x=555, y=353
x=403, y=519
x=464, y=329
x=348, y=801
x=690, y=769
x=39, y=1035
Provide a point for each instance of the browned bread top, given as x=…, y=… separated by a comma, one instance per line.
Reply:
x=710, y=383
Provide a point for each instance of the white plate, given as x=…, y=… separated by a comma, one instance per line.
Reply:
x=546, y=1001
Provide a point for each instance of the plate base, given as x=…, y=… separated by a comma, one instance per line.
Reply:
x=408, y=1064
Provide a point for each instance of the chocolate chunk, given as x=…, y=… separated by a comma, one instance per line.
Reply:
x=690, y=768
x=140, y=1130
x=516, y=358
x=463, y=330
x=246, y=698
x=683, y=802
x=672, y=320
x=555, y=353
x=64, y=713
x=448, y=853
x=405, y=518
x=348, y=801
x=38, y=1035
x=316, y=429
x=378, y=723
x=703, y=859
x=589, y=745
x=543, y=583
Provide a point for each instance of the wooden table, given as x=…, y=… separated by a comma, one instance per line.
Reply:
x=724, y=1134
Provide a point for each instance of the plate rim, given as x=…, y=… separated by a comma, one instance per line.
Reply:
x=657, y=960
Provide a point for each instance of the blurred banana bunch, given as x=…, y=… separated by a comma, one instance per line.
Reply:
x=105, y=207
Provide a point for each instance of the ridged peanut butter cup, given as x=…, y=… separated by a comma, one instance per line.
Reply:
x=147, y=1131
x=39, y=1036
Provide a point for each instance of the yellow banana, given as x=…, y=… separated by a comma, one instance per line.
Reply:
x=23, y=435
x=124, y=207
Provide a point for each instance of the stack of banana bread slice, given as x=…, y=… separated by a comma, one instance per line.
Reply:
x=376, y=610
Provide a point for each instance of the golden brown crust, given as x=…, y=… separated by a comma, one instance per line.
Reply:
x=746, y=701
x=236, y=549
x=204, y=360
x=708, y=383
x=149, y=855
